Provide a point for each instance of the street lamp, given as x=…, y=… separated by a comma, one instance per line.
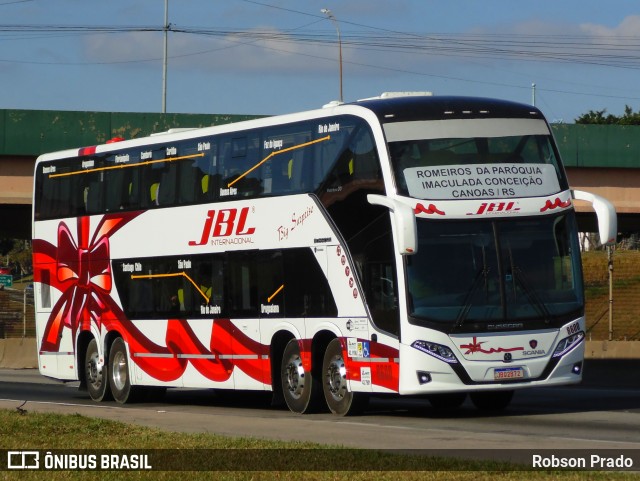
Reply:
x=165, y=28
x=331, y=17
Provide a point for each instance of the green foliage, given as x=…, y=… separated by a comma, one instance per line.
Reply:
x=18, y=254
x=600, y=117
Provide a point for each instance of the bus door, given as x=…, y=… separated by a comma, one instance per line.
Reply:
x=352, y=319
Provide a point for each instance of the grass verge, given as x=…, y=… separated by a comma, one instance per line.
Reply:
x=40, y=431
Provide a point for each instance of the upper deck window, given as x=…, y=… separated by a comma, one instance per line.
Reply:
x=474, y=159
x=331, y=157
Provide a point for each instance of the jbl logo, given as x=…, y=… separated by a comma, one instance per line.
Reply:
x=486, y=207
x=224, y=223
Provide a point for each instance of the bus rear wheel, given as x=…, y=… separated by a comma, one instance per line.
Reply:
x=298, y=386
x=491, y=400
x=119, y=381
x=339, y=398
x=96, y=374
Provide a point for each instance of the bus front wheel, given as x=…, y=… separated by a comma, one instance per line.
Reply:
x=298, y=385
x=119, y=381
x=96, y=374
x=339, y=398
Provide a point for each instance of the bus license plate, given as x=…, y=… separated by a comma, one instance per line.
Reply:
x=508, y=373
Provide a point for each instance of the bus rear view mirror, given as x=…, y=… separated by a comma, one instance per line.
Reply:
x=404, y=221
x=606, y=213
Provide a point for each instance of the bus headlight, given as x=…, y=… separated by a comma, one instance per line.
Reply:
x=436, y=350
x=568, y=343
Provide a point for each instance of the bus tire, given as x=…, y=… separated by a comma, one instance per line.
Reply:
x=96, y=375
x=491, y=400
x=445, y=401
x=119, y=381
x=339, y=398
x=299, y=389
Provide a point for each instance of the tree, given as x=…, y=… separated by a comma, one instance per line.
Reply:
x=600, y=117
x=17, y=253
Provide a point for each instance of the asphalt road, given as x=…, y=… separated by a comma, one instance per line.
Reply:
x=601, y=413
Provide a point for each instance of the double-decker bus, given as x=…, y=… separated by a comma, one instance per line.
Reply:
x=408, y=245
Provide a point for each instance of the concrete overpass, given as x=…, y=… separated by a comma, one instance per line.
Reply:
x=25, y=134
x=603, y=159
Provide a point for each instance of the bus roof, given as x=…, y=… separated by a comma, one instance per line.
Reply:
x=387, y=109
x=407, y=108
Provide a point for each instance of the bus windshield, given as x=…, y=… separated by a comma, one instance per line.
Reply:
x=469, y=275
x=474, y=158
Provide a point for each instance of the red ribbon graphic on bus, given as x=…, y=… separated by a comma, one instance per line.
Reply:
x=81, y=271
x=431, y=209
x=556, y=204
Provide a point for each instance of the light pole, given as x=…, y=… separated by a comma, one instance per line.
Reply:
x=533, y=94
x=165, y=29
x=330, y=15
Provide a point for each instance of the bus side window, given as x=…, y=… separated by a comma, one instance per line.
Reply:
x=355, y=174
x=65, y=189
x=382, y=295
x=359, y=161
x=196, y=175
x=372, y=248
x=298, y=167
x=150, y=178
x=241, y=284
x=366, y=163
x=55, y=198
x=119, y=187
x=286, y=150
x=56, y=193
x=240, y=170
x=306, y=287
x=95, y=194
x=78, y=197
x=135, y=294
x=202, y=294
x=272, y=290
x=166, y=190
x=167, y=177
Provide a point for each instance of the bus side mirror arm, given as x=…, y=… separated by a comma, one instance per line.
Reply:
x=404, y=221
x=606, y=213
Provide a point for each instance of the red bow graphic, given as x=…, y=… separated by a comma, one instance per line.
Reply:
x=81, y=271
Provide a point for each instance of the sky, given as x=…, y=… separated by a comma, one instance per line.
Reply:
x=280, y=56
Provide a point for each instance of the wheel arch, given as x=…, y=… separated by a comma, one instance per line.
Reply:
x=82, y=343
x=276, y=350
x=319, y=344
x=108, y=340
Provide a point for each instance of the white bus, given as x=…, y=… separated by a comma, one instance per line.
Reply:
x=410, y=246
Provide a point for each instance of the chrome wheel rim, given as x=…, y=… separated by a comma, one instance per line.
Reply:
x=336, y=378
x=119, y=374
x=94, y=373
x=294, y=372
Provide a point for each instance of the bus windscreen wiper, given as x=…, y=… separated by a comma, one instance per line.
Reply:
x=483, y=273
x=531, y=293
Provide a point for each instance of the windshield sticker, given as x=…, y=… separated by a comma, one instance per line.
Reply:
x=481, y=181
